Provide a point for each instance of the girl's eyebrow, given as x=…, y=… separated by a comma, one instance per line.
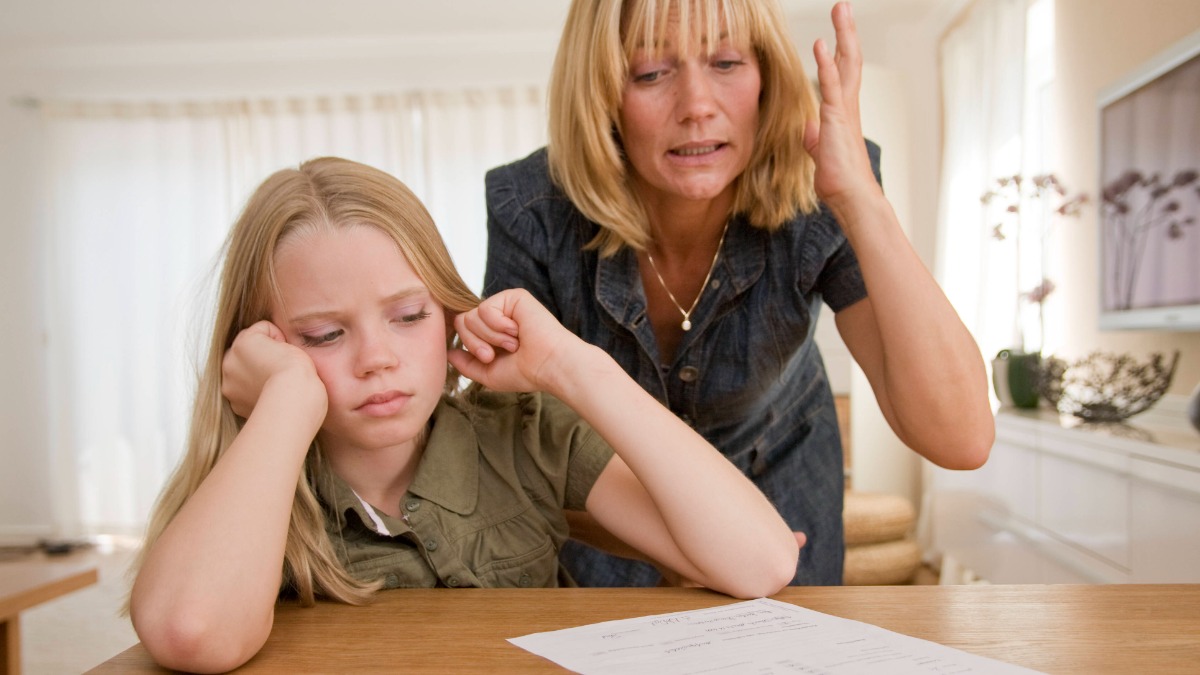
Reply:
x=323, y=315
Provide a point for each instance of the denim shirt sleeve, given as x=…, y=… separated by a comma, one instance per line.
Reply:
x=518, y=242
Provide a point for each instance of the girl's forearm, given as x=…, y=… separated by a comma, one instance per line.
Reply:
x=731, y=536
x=204, y=597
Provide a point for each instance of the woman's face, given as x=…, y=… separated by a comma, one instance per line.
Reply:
x=351, y=300
x=688, y=119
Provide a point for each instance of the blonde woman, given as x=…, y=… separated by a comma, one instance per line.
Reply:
x=693, y=210
x=358, y=470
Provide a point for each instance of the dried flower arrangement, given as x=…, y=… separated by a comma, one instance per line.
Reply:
x=1016, y=194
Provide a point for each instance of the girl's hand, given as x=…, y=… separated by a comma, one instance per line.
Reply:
x=512, y=343
x=836, y=143
x=259, y=353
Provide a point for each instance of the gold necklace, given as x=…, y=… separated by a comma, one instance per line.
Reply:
x=687, y=321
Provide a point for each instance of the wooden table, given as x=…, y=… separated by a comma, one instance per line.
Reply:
x=25, y=584
x=1056, y=629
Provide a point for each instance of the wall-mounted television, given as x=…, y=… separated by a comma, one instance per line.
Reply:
x=1149, y=205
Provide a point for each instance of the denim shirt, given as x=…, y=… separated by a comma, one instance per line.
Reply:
x=748, y=375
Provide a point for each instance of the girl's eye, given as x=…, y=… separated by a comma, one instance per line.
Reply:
x=322, y=338
x=408, y=319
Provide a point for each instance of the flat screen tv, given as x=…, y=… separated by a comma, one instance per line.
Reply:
x=1149, y=209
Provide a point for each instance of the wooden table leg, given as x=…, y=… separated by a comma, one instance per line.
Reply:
x=10, y=646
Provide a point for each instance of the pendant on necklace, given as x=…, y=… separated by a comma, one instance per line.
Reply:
x=687, y=325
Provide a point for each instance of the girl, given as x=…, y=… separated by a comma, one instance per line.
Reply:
x=358, y=469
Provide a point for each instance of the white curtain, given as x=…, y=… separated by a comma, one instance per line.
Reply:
x=137, y=201
x=982, y=64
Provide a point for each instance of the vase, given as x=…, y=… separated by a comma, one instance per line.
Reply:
x=1193, y=409
x=1015, y=377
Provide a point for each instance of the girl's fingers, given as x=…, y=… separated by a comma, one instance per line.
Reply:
x=485, y=328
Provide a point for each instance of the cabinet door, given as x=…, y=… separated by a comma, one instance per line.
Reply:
x=1166, y=523
x=1084, y=497
x=970, y=512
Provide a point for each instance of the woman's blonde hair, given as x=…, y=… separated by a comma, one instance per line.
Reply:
x=586, y=88
x=324, y=193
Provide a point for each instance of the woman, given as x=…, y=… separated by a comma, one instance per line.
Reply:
x=694, y=207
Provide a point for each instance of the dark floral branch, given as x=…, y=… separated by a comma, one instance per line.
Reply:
x=1013, y=193
x=1134, y=205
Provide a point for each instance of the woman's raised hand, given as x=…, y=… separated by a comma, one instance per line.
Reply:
x=258, y=353
x=512, y=343
x=836, y=140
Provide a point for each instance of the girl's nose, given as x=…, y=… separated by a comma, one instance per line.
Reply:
x=375, y=353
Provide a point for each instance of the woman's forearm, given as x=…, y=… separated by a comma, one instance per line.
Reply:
x=928, y=374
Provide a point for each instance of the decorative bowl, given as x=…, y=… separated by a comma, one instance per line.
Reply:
x=1106, y=387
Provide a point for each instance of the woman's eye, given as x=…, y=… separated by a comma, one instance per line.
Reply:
x=322, y=338
x=727, y=64
x=647, y=76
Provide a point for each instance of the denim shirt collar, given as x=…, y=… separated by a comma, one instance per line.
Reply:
x=619, y=291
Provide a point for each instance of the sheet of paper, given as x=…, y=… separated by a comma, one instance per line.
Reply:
x=763, y=637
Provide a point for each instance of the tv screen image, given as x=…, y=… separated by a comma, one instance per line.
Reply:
x=1150, y=195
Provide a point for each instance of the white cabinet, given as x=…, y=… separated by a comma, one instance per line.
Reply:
x=1064, y=502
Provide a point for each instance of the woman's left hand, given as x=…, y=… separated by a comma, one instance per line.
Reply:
x=836, y=142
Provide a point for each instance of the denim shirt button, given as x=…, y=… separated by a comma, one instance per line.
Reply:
x=716, y=283
x=689, y=373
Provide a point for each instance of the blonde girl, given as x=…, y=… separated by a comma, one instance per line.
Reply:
x=358, y=466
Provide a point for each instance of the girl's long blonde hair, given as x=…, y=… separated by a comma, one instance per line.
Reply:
x=322, y=193
x=586, y=89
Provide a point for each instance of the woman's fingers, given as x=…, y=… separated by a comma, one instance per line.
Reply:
x=848, y=56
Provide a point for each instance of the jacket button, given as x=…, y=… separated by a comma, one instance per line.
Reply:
x=525, y=581
x=452, y=582
x=412, y=505
x=431, y=544
x=689, y=373
x=392, y=581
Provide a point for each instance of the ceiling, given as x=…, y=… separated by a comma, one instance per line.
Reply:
x=55, y=23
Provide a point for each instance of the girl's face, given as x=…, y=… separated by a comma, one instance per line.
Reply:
x=352, y=302
x=689, y=120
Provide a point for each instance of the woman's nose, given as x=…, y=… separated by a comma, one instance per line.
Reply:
x=694, y=95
